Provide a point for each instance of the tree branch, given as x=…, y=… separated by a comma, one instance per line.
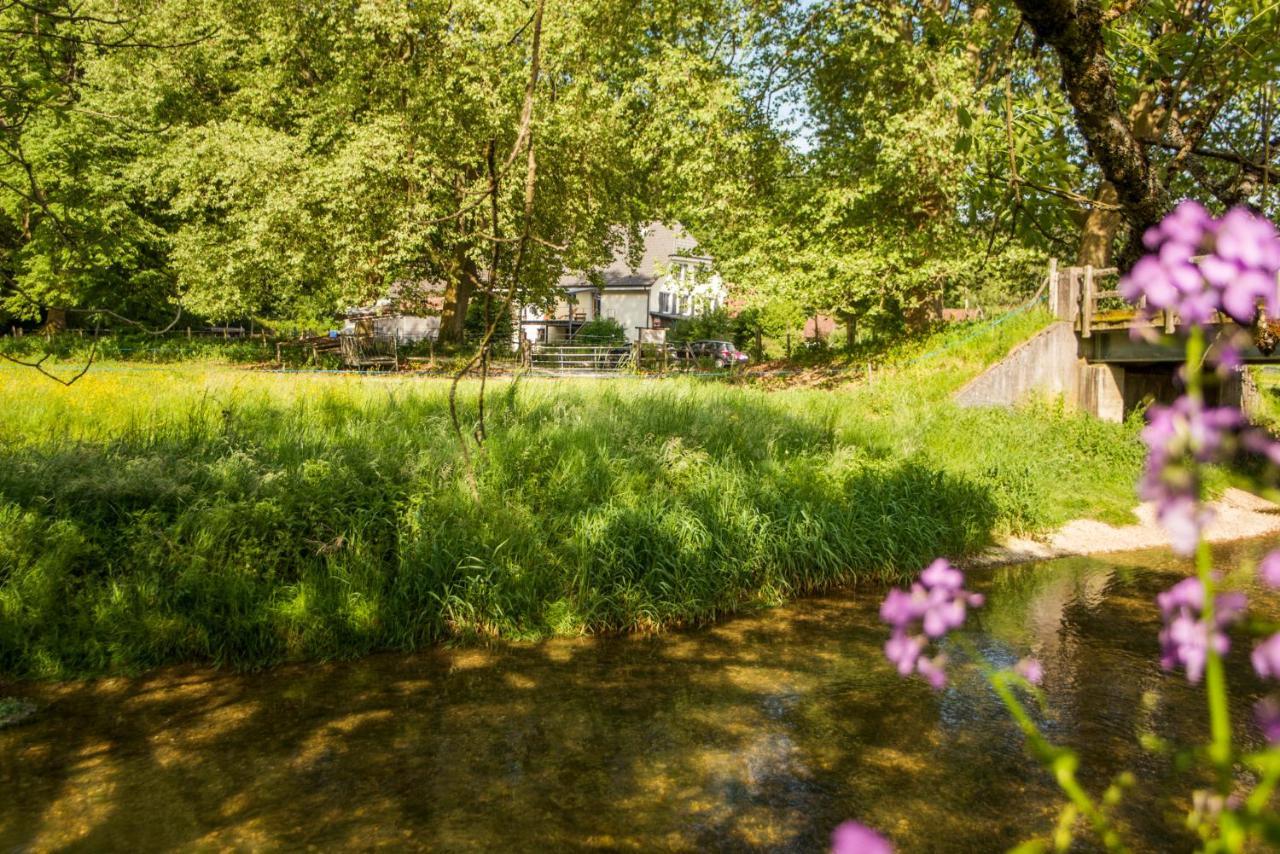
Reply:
x=1074, y=29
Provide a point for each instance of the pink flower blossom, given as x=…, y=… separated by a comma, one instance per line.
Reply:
x=1266, y=657
x=1238, y=258
x=1267, y=715
x=1187, y=638
x=934, y=605
x=1030, y=669
x=1269, y=569
x=854, y=838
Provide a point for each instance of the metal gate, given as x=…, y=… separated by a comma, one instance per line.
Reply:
x=580, y=360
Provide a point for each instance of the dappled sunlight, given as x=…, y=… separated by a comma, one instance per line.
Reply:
x=761, y=732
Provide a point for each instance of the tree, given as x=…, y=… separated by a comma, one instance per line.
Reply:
x=877, y=210
x=1171, y=98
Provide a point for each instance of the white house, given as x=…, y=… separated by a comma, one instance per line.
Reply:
x=410, y=312
x=671, y=282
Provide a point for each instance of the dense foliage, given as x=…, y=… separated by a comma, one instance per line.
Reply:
x=270, y=158
x=866, y=160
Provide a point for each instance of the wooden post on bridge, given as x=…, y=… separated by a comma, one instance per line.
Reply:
x=1055, y=302
x=1086, y=303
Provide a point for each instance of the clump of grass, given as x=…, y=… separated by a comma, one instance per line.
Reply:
x=202, y=514
x=15, y=710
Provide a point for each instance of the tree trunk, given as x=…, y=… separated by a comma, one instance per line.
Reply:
x=457, y=296
x=1074, y=29
x=1098, y=234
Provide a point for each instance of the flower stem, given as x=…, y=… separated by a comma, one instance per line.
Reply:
x=1215, y=678
x=1059, y=760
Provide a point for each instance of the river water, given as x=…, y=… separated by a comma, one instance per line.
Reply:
x=759, y=733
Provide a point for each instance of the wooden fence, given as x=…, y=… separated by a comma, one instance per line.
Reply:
x=1089, y=299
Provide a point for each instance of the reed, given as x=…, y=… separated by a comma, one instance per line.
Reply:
x=196, y=512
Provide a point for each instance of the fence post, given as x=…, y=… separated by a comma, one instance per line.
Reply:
x=1086, y=304
x=1055, y=302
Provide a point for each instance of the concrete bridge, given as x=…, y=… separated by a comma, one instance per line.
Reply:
x=1090, y=357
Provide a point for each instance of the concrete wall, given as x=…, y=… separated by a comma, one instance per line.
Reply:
x=1102, y=391
x=1046, y=364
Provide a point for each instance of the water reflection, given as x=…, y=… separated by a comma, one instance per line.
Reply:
x=760, y=733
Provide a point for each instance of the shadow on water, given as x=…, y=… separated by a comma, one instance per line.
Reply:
x=760, y=733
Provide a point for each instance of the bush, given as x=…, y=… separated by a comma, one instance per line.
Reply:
x=474, y=326
x=709, y=326
x=603, y=331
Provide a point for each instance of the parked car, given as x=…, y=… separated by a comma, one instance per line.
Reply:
x=722, y=354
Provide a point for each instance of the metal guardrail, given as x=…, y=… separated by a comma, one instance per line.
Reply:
x=571, y=358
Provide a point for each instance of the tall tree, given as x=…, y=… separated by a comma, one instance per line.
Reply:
x=1170, y=97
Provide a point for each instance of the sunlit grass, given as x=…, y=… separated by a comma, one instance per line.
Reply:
x=203, y=512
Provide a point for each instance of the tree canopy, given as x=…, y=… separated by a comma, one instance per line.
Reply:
x=862, y=159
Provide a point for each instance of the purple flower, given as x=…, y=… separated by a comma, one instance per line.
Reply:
x=1178, y=437
x=1030, y=669
x=1187, y=638
x=1239, y=256
x=1267, y=714
x=933, y=670
x=904, y=650
x=854, y=838
x=1266, y=657
x=934, y=605
x=1188, y=224
x=942, y=575
x=1269, y=569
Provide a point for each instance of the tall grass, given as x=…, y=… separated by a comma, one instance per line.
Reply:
x=199, y=513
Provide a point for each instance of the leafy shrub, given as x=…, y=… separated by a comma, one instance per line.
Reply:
x=709, y=326
x=603, y=331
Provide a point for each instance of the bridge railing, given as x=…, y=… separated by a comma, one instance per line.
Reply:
x=1088, y=298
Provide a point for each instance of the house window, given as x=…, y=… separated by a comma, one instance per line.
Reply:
x=664, y=303
x=595, y=305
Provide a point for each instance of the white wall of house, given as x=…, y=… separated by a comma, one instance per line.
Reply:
x=629, y=308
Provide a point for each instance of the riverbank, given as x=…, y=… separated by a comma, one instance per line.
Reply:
x=1237, y=515
x=157, y=514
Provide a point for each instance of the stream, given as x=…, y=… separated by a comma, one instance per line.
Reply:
x=761, y=732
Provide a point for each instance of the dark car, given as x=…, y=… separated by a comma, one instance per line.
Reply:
x=722, y=354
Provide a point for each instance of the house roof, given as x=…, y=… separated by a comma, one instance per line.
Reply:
x=662, y=243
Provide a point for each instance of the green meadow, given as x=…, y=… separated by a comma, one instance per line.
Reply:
x=156, y=513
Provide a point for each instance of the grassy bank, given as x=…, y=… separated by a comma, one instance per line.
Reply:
x=196, y=512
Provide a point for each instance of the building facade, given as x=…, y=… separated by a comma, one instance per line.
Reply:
x=671, y=282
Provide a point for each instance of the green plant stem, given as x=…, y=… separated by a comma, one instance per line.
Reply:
x=1062, y=762
x=1215, y=679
